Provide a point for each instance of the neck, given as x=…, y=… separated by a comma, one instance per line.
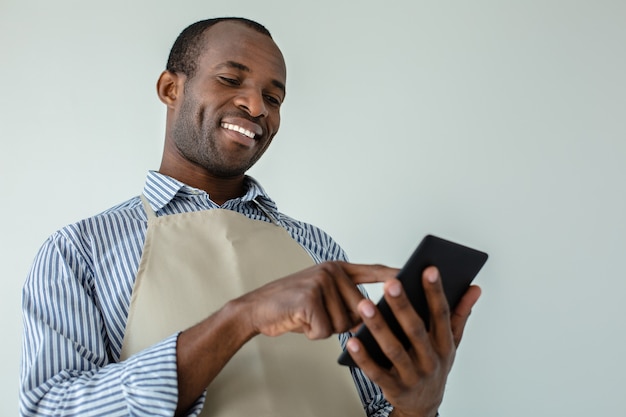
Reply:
x=219, y=189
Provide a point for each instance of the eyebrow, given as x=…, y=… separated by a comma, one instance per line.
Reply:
x=242, y=67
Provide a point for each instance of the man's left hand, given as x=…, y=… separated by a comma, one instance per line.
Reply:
x=415, y=383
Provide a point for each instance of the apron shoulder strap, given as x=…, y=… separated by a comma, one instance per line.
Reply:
x=146, y=206
x=267, y=213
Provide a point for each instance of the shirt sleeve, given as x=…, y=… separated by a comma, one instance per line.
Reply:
x=67, y=368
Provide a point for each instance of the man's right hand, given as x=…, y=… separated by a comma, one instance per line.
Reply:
x=319, y=301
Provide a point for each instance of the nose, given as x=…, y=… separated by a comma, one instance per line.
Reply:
x=252, y=101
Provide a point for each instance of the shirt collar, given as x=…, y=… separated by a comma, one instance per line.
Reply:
x=161, y=189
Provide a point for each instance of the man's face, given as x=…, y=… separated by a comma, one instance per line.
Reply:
x=230, y=109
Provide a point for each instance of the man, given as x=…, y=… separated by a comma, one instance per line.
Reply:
x=201, y=282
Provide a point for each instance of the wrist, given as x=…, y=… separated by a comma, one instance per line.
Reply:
x=237, y=316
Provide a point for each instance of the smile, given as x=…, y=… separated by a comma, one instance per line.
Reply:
x=239, y=129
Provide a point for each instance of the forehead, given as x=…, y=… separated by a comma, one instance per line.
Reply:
x=234, y=42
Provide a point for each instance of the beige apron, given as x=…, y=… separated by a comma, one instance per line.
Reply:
x=193, y=263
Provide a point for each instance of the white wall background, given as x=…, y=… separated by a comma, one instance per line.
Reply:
x=500, y=124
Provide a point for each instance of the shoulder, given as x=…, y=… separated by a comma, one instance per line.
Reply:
x=117, y=217
x=79, y=240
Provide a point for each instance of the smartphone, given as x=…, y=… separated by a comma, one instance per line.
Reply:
x=458, y=265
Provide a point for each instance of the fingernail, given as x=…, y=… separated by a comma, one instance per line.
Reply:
x=367, y=310
x=394, y=289
x=431, y=275
x=353, y=346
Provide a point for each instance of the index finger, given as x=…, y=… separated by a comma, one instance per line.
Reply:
x=352, y=274
x=348, y=275
x=368, y=274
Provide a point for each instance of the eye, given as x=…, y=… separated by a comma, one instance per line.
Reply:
x=273, y=100
x=228, y=80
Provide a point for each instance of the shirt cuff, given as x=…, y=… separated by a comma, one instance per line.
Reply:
x=150, y=381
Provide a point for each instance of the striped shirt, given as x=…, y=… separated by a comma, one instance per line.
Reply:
x=75, y=305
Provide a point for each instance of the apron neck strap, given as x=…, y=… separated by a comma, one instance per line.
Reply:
x=269, y=215
x=146, y=206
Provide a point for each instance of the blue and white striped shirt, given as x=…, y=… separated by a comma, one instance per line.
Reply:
x=75, y=305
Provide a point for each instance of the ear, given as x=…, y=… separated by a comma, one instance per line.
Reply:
x=169, y=87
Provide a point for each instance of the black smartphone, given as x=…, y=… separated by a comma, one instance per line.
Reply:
x=458, y=265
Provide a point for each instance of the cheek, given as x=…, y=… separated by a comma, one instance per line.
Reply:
x=192, y=112
x=275, y=121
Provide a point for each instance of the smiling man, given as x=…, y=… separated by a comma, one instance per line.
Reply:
x=199, y=297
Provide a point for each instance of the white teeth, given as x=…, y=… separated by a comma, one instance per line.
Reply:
x=239, y=129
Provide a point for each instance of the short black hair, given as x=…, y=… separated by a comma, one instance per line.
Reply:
x=187, y=48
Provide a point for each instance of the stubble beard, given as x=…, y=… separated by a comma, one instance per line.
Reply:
x=195, y=140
